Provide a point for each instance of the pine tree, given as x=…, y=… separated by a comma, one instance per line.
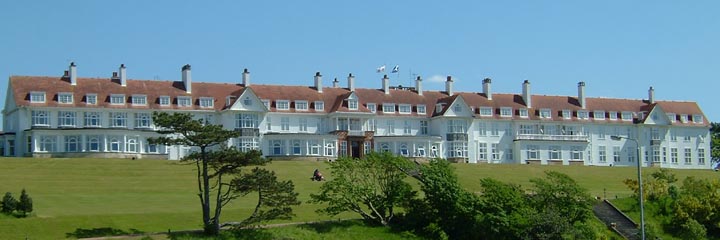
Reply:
x=9, y=204
x=25, y=205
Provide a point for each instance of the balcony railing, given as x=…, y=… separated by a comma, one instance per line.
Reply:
x=356, y=133
x=248, y=132
x=544, y=137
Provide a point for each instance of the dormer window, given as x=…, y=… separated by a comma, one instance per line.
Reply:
x=697, y=118
x=266, y=102
x=457, y=108
x=164, y=100
x=523, y=113
x=567, y=114
x=485, y=111
x=404, y=108
x=91, y=99
x=319, y=106
x=301, y=105
x=65, y=98
x=672, y=117
x=247, y=101
x=582, y=114
x=545, y=113
x=626, y=116
x=613, y=115
x=282, y=104
x=421, y=109
x=207, y=102
x=683, y=118
x=352, y=104
x=599, y=115
x=140, y=100
x=388, y=108
x=184, y=101
x=37, y=97
x=372, y=107
x=506, y=112
x=117, y=99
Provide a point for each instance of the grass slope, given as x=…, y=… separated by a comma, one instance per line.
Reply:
x=157, y=195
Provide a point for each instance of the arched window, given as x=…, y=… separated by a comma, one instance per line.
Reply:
x=114, y=145
x=384, y=147
x=420, y=151
x=434, y=151
x=404, y=150
x=296, y=147
x=93, y=144
x=277, y=147
x=71, y=144
x=47, y=144
x=131, y=145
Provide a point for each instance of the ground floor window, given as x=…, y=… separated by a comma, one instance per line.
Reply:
x=533, y=152
x=576, y=153
x=297, y=147
x=132, y=145
x=420, y=152
x=72, y=143
x=404, y=150
x=277, y=147
x=114, y=144
x=330, y=149
x=93, y=143
x=701, y=156
x=457, y=149
x=47, y=143
x=343, y=148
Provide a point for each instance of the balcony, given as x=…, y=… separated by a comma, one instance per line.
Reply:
x=456, y=137
x=356, y=133
x=544, y=137
x=248, y=132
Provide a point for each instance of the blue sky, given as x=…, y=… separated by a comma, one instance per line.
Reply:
x=619, y=48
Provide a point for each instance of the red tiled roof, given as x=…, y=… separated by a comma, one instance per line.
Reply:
x=332, y=97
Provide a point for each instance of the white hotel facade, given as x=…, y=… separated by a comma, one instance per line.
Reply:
x=69, y=116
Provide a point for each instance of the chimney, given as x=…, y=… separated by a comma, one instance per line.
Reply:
x=418, y=85
x=486, y=88
x=449, y=86
x=526, y=94
x=336, y=83
x=114, y=76
x=123, y=75
x=73, y=74
x=386, y=84
x=351, y=82
x=651, y=95
x=187, y=78
x=581, y=95
x=246, y=78
x=318, y=82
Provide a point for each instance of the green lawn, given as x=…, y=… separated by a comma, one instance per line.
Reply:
x=158, y=195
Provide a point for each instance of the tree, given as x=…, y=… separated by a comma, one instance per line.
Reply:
x=715, y=135
x=25, y=205
x=213, y=162
x=274, y=197
x=9, y=203
x=560, y=191
x=372, y=187
x=699, y=201
x=505, y=210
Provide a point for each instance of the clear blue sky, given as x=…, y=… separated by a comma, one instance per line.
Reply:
x=619, y=48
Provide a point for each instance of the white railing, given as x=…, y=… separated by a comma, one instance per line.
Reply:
x=544, y=137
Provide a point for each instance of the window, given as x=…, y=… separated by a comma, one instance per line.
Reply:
x=420, y=151
x=72, y=143
x=602, y=154
x=284, y=124
x=114, y=144
x=66, y=119
x=613, y=115
x=701, y=156
x=601, y=133
x=302, y=105
x=631, y=154
x=352, y=104
x=423, y=127
x=47, y=143
x=576, y=153
x=673, y=135
x=266, y=102
x=485, y=111
x=407, y=127
x=388, y=108
x=268, y=123
x=555, y=153
x=207, y=102
x=296, y=149
x=277, y=147
x=391, y=127
x=421, y=109
x=330, y=149
x=457, y=108
x=131, y=145
x=91, y=99
x=37, y=97
x=456, y=126
x=246, y=120
x=626, y=116
x=495, y=130
x=184, y=101
x=482, y=151
x=457, y=149
x=664, y=154
x=523, y=113
x=343, y=148
x=545, y=113
x=93, y=143
x=688, y=155
x=248, y=143
x=582, y=114
x=508, y=154
x=404, y=108
x=687, y=138
x=142, y=120
x=482, y=131
x=495, y=152
x=40, y=118
x=140, y=100
x=303, y=124
x=117, y=99
x=404, y=150
x=674, y=155
x=151, y=148
x=506, y=112
x=599, y=115
x=616, y=154
x=655, y=134
x=164, y=100
x=92, y=119
x=533, y=152
x=65, y=98
x=372, y=107
x=282, y=104
x=118, y=119
x=697, y=118
x=683, y=118
x=319, y=106
x=672, y=117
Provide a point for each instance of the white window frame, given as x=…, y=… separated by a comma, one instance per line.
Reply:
x=207, y=102
x=65, y=98
x=37, y=97
x=424, y=127
x=138, y=100
x=117, y=99
x=697, y=118
x=283, y=105
x=143, y=120
x=486, y=111
x=404, y=108
x=683, y=118
x=91, y=99
x=506, y=112
x=554, y=153
x=421, y=109
x=583, y=114
x=40, y=118
x=93, y=119
x=613, y=115
x=372, y=107
x=523, y=113
x=301, y=105
x=164, y=100
x=387, y=107
x=599, y=115
x=567, y=114
x=118, y=119
x=626, y=116
x=184, y=101
x=533, y=152
x=545, y=113
x=67, y=119
x=319, y=106
x=285, y=124
x=353, y=104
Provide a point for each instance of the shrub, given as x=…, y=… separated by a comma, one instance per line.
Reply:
x=9, y=203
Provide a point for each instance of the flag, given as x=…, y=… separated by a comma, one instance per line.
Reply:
x=396, y=69
x=381, y=68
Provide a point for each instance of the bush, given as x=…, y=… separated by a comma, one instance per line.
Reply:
x=25, y=205
x=9, y=204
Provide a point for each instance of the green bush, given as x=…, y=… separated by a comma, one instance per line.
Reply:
x=9, y=204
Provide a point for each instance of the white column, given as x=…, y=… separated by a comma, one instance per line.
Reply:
x=82, y=141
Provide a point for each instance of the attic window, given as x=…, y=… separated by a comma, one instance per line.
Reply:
x=567, y=114
x=485, y=111
x=352, y=104
x=206, y=102
x=672, y=117
x=319, y=106
x=37, y=97
x=91, y=99
x=457, y=108
x=266, y=102
x=683, y=118
x=404, y=108
x=582, y=114
x=545, y=113
x=388, y=108
x=247, y=101
x=421, y=109
x=117, y=99
x=184, y=101
x=164, y=100
x=372, y=107
x=139, y=100
x=599, y=115
x=506, y=112
x=301, y=105
x=626, y=116
x=613, y=115
x=282, y=104
x=697, y=118
x=65, y=98
x=523, y=113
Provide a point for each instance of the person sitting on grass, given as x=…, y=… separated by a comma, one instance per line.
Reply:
x=317, y=176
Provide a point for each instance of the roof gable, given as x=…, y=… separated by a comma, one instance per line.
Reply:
x=657, y=116
x=458, y=108
x=248, y=101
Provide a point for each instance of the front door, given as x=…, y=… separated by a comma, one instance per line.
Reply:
x=355, y=149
